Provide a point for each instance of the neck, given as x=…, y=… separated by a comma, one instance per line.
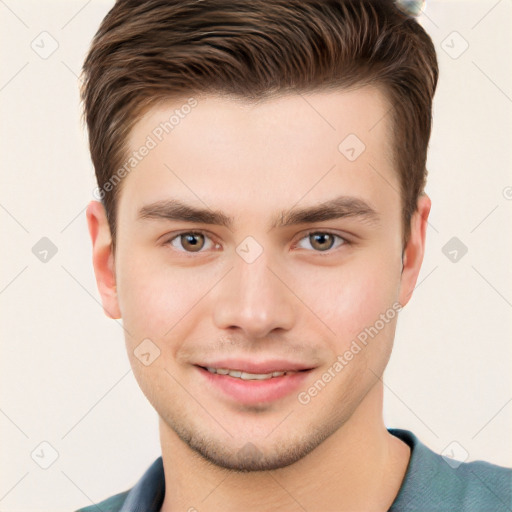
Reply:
x=360, y=467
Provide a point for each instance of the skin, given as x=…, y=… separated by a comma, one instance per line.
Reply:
x=295, y=301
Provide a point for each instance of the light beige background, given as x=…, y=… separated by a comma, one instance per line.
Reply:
x=65, y=377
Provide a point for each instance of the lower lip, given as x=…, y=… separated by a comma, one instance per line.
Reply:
x=256, y=391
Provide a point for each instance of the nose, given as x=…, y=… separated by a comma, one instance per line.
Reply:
x=254, y=298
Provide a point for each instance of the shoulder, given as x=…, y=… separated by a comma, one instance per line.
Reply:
x=484, y=485
x=112, y=504
x=147, y=494
x=448, y=485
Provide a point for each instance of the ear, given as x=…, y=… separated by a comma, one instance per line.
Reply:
x=103, y=258
x=414, y=249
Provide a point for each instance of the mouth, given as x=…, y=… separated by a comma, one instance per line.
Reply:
x=239, y=374
x=249, y=383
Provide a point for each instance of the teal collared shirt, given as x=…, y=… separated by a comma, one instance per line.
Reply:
x=431, y=484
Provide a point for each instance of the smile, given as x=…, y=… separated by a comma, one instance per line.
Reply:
x=257, y=386
x=238, y=374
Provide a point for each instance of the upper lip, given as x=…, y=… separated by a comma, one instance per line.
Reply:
x=268, y=366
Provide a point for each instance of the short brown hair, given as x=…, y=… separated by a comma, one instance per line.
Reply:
x=150, y=51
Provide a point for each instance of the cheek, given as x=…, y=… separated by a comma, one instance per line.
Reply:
x=154, y=299
x=354, y=298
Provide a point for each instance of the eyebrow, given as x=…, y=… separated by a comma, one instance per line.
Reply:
x=337, y=208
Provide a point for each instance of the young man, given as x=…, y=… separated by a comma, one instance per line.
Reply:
x=261, y=168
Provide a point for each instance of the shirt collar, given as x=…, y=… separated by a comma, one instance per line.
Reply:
x=148, y=493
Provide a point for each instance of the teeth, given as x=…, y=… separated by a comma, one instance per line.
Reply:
x=255, y=376
x=245, y=375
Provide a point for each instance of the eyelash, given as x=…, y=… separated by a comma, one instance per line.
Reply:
x=327, y=252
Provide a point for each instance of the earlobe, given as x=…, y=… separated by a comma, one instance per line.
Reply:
x=103, y=258
x=412, y=256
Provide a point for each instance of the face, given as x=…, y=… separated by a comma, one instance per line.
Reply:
x=263, y=239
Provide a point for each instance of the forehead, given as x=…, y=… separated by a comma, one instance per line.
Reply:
x=363, y=111
x=280, y=149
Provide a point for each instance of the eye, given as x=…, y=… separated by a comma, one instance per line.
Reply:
x=322, y=241
x=191, y=241
x=196, y=241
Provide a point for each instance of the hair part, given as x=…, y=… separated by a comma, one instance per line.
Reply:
x=148, y=52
